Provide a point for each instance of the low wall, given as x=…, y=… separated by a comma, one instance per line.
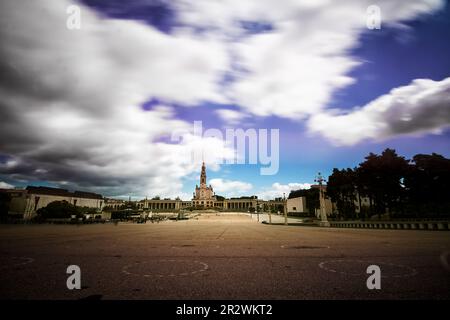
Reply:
x=399, y=225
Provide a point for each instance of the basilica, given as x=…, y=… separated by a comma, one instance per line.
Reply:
x=25, y=203
x=204, y=195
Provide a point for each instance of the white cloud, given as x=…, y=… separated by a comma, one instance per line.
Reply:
x=231, y=116
x=76, y=96
x=293, y=69
x=230, y=188
x=70, y=106
x=277, y=190
x=420, y=107
x=4, y=185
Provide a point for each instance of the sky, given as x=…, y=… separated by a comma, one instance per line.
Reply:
x=110, y=106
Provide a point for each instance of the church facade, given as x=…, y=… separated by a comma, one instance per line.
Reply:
x=203, y=195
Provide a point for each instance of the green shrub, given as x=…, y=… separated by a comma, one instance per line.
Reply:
x=59, y=210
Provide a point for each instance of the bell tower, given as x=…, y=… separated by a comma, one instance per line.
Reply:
x=203, y=195
x=203, y=176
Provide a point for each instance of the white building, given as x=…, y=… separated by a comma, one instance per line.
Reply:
x=26, y=202
x=296, y=205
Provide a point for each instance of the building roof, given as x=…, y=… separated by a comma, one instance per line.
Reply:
x=63, y=192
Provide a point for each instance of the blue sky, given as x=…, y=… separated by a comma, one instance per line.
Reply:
x=392, y=58
x=335, y=90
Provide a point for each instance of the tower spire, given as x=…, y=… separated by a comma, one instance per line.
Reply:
x=203, y=175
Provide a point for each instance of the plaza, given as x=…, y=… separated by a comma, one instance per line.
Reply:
x=221, y=256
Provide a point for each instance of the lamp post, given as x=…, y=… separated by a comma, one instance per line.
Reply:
x=323, y=214
x=285, y=209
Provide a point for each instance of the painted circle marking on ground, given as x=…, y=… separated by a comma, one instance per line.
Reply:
x=328, y=266
x=303, y=247
x=199, y=267
x=17, y=262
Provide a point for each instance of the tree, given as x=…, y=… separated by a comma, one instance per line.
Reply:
x=381, y=178
x=363, y=191
x=394, y=185
x=341, y=188
x=59, y=210
x=428, y=185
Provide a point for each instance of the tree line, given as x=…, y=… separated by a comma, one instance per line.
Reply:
x=392, y=185
x=62, y=210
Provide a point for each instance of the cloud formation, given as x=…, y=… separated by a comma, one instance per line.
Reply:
x=232, y=116
x=292, y=68
x=71, y=109
x=231, y=188
x=278, y=189
x=71, y=99
x=4, y=185
x=420, y=107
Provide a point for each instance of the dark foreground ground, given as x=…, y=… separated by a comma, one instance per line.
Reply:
x=221, y=257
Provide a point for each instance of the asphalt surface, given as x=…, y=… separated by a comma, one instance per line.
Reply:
x=221, y=257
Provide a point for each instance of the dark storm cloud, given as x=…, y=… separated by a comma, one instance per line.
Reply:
x=70, y=105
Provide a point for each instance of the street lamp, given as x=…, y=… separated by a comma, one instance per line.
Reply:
x=285, y=209
x=323, y=214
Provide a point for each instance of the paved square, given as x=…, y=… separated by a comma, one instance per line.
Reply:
x=221, y=257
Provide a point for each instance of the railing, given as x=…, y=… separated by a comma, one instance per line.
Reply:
x=399, y=225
